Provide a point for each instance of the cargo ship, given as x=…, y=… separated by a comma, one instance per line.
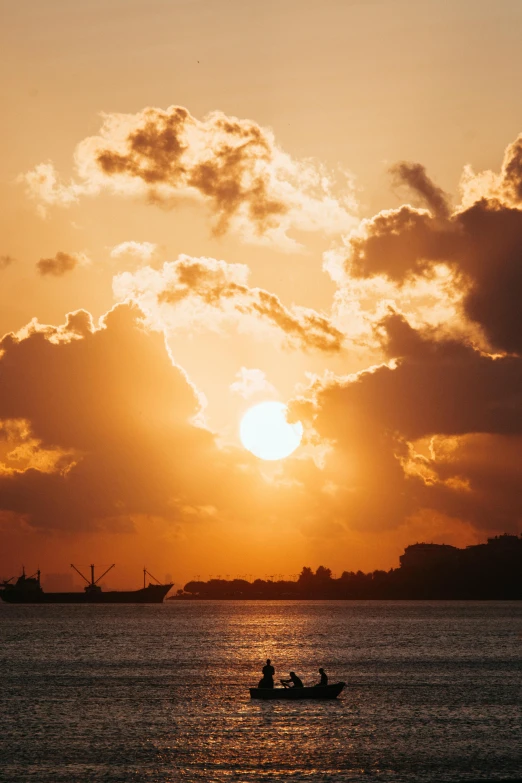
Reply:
x=28, y=590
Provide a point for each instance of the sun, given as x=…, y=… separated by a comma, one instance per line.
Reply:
x=265, y=431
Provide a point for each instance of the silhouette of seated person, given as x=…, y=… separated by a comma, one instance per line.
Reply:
x=267, y=680
x=293, y=682
x=324, y=679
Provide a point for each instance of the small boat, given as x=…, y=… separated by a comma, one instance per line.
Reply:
x=315, y=692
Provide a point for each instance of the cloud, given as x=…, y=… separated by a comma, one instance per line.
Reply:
x=511, y=174
x=449, y=387
x=415, y=177
x=505, y=187
x=402, y=433
x=251, y=382
x=44, y=186
x=480, y=244
x=233, y=166
x=478, y=477
x=118, y=417
x=5, y=261
x=61, y=263
x=142, y=250
x=398, y=243
x=205, y=289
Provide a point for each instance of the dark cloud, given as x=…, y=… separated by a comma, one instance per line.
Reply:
x=441, y=386
x=491, y=260
x=114, y=413
x=399, y=243
x=58, y=265
x=5, y=261
x=479, y=478
x=153, y=150
x=233, y=172
x=437, y=389
x=481, y=244
x=415, y=177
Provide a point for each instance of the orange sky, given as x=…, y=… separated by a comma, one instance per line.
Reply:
x=334, y=208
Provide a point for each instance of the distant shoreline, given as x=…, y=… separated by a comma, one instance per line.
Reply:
x=428, y=572
x=351, y=600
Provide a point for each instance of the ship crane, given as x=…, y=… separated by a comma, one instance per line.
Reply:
x=5, y=582
x=92, y=585
x=148, y=573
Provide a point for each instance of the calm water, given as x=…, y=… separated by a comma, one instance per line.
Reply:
x=160, y=693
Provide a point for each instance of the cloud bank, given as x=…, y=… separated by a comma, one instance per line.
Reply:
x=98, y=425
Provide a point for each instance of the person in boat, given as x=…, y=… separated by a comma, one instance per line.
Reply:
x=293, y=682
x=267, y=680
x=324, y=679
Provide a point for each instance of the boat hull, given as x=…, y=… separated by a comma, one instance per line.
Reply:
x=153, y=594
x=316, y=692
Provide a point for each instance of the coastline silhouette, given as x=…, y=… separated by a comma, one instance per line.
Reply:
x=488, y=571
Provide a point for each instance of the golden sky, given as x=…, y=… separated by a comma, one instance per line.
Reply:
x=208, y=205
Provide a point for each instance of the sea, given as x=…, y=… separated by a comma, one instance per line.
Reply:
x=159, y=694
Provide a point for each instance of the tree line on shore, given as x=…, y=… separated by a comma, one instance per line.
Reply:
x=427, y=571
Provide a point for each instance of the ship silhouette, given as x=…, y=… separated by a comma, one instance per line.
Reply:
x=28, y=590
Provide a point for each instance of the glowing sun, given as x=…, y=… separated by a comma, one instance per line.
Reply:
x=265, y=431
